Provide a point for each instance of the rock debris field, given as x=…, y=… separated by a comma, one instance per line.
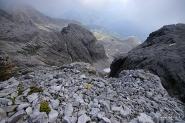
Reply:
x=76, y=93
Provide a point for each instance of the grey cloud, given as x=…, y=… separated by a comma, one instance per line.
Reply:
x=126, y=17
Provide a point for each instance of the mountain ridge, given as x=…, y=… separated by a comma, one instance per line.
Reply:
x=30, y=39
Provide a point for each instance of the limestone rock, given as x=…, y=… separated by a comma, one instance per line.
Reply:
x=83, y=119
x=18, y=115
x=68, y=110
x=53, y=116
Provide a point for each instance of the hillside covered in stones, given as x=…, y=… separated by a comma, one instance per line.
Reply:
x=76, y=93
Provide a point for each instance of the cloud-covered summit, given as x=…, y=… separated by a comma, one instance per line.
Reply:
x=126, y=17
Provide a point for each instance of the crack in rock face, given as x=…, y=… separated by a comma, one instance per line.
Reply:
x=76, y=95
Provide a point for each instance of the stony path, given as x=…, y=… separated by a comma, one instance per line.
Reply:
x=75, y=93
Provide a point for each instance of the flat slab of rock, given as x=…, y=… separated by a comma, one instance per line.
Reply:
x=32, y=97
x=84, y=119
x=53, y=116
x=18, y=115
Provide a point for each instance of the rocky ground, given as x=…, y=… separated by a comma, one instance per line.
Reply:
x=76, y=93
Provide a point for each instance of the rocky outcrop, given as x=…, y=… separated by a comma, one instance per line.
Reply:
x=32, y=39
x=81, y=44
x=163, y=54
x=74, y=94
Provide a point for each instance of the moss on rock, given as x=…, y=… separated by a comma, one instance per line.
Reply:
x=20, y=89
x=44, y=107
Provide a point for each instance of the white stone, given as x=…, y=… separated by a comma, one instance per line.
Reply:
x=74, y=119
x=25, y=93
x=53, y=114
x=83, y=76
x=78, y=98
x=95, y=104
x=32, y=97
x=22, y=106
x=3, y=121
x=116, y=108
x=14, y=94
x=84, y=119
x=5, y=101
x=143, y=118
x=66, y=119
x=106, y=120
x=172, y=44
x=29, y=110
x=81, y=112
x=94, y=111
x=39, y=117
x=69, y=119
x=54, y=80
x=107, y=70
x=55, y=88
x=68, y=110
x=126, y=111
x=55, y=103
x=100, y=115
x=50, y=77
x=18, y=115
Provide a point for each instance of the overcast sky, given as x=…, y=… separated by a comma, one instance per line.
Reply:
x=126, y=17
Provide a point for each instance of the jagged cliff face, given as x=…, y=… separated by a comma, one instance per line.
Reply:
x=32, y=39
x=163, y=53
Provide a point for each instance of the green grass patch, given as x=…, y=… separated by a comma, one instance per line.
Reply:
x=35, y=89
x=44, y=107
x=20, y=89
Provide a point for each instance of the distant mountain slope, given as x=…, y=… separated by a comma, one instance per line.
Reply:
x=31, y=38
x=115, y=45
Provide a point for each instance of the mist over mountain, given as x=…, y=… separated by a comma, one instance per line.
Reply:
x=125, y=17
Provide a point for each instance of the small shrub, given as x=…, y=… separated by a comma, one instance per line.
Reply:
x=35, y=89
x=20, y=89
x=88, y=86
x=44, y=107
